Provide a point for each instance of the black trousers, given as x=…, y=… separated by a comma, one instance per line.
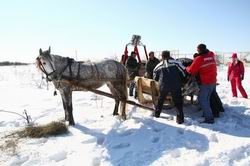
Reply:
x=216, y=104
x=177, y=99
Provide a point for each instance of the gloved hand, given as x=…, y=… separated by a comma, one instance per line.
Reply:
x=185, y=71
x=242, y=77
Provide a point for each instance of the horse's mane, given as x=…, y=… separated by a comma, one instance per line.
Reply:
x=61, y=58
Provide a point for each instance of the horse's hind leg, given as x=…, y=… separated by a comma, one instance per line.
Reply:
x=120, y=91
x=117, y=102
x=123, y=110
x=66, y=95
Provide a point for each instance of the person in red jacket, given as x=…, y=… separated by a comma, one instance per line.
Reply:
x=235, y=75
x=205, y=65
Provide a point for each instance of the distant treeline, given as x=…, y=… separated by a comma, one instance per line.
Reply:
x=7, y=63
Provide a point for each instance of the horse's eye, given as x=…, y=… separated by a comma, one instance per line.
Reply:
x=44, y=63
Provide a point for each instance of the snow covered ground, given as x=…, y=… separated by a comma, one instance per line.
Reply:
x=98, y=138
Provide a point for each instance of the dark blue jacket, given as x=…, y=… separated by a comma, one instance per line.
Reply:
x=170, y=74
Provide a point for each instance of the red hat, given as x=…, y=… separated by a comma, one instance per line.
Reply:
x=234, y=55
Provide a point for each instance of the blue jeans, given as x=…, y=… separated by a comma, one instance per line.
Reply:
x=204, y=101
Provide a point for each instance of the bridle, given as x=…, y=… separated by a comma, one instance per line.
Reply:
x=41, y=67
x=54, y=75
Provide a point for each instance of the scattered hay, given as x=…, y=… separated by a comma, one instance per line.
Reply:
x=51, y=129
x=9, y=146
x=9, y=143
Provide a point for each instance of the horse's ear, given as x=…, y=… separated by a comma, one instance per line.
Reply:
x=49, y=50
x=40, y=51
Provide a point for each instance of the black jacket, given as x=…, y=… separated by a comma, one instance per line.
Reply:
x=133, y=67
x=170, y=74
x=150, y=65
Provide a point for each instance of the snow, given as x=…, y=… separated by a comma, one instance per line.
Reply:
x=98, y=138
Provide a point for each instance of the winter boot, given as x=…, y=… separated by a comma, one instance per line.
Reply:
x=179, y=119
x=209, y=121
x=157, y=114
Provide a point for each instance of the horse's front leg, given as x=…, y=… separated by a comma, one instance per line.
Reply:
x=66, y=94
x=116, y=107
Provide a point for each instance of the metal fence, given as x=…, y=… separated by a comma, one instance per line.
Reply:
x=175, y=54
x=221, y=57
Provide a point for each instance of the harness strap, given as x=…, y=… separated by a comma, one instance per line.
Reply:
x=70, y=64
x=117, y=70
x=97, y=72
x=41, y=67
x=78, y=71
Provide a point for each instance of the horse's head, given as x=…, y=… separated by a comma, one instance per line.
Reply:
x=45, y=63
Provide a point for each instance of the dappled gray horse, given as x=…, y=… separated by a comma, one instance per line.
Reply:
x=69, y=75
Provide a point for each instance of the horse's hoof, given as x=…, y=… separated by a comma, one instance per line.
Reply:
x=71, y=123
x=124, y=117
x=115, y=114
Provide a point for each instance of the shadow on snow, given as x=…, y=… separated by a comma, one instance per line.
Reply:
x=145, y=144
x=232, y=122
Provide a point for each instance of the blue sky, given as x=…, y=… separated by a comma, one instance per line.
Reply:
x=101, y=28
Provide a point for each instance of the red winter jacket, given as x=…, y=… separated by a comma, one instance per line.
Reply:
x=235, y=70
x=205, y=65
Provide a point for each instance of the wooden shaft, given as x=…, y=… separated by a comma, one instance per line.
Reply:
x=113, y=97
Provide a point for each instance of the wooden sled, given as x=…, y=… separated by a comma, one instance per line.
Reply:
x=151, y=89
x=148, y=93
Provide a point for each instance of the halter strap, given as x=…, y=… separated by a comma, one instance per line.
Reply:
x=41, y=67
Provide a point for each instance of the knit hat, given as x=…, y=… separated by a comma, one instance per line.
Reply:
x=234, y=55
x=202, y=47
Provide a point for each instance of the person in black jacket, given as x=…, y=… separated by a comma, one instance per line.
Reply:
x=132, y=65
x=133, y=70
x=150, y=65
x=170, y=74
